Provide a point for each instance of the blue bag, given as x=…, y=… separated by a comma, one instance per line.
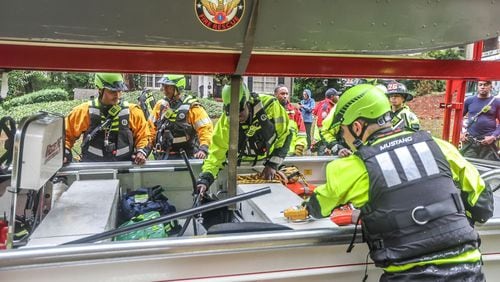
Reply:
x=144, y=200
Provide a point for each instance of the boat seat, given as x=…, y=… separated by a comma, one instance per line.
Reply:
x=241, y=227
x=88, y=207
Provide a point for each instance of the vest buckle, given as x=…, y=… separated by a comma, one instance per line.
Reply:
x=377, y=244
x=419, y=222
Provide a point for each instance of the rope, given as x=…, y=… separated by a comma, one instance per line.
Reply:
x=256, y=179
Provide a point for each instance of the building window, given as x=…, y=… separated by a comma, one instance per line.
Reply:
x=264, y=84
x=151, y=81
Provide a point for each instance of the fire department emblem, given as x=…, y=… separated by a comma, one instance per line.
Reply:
x=219, y=15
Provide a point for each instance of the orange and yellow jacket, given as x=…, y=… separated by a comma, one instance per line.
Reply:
x=197, y=117
x=78, y=122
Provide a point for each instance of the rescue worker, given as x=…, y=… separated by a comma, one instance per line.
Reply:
x=297, y=127
x=401, y=113
x=147, y=102
x=328, y=138
x=263, y=135
x=179, y=122
x=113, y=130
x=416, y=222
x=324, y=107
x=326, y=145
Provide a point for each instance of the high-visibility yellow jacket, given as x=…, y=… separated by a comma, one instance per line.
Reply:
x=406, y=116
x=347, y=181
x=220, y=140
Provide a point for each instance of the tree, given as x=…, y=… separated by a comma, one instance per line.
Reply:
x=318, y=86
x=424, y=87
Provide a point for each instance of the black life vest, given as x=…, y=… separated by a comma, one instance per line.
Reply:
x=414, y=207
x=119, y=144
x=256, y=137
x=174, y=132
x=147, y=102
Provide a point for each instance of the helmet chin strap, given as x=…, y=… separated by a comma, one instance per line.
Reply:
x=174, y=99
x=358, y=139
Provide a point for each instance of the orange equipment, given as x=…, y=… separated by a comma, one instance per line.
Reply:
x=344, y=215
x=297, y=213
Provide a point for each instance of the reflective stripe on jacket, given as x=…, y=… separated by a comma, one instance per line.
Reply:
x=114, y=143
x=415, y=209
x=348, y=181
x=188, y=122
x=220, y=145
x=78, y=122
x=406, y=116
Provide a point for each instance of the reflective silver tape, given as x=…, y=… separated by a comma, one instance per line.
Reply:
x=202, y=122
x=124, y=112
x=180, y=139
x=425, y=154
x=184, y=107
x=276, y=160
x=94, y=111
x=388, y=169
x=257, y=107
x=279, y=120
x=408, y=163
x=95, y=151
x=122, y=151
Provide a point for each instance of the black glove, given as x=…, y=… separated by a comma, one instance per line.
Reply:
x=205, y=179
x=68, y=156
x=335, y=147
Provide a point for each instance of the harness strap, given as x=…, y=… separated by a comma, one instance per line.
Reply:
x=415, y=237
x=420, y=215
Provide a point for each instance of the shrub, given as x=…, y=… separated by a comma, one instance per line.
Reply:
x=60, y=107
x=46, y=95
x=213, y=108
x=425, y=87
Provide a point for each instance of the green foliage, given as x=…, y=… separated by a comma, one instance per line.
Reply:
x=213, y=108
x=60, y=107
x=21, y=82
x=424, y=87
x=46, y=95
x=71, y=80
x=318, y=86
x=132, y=96
x=446, y=54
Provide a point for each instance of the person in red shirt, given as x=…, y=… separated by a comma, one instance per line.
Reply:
x=324, y=107
x=297, y=127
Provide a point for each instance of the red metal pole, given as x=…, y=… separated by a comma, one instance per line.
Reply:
x=457, y=87
x=447, y=110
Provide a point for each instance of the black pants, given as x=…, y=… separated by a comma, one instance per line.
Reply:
x=469, y=272
x=471, y=149
x=308, y=126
